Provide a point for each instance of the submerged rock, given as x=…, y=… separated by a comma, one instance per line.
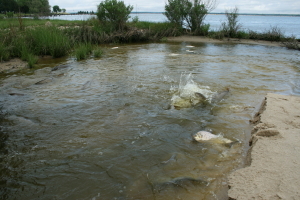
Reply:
x=59, y=67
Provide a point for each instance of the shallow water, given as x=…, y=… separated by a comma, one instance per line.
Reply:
x=100, y=129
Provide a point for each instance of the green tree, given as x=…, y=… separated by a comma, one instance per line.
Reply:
x=56, y=9
x=35, y=6
x=114, y=12
x=8, y=5
x=189, y=13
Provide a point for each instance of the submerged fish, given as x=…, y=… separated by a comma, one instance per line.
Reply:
x=202, y=136
x=217, y=97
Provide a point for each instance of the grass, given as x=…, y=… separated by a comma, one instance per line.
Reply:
x=98, y=52
x=29, y=38
x=83, y=50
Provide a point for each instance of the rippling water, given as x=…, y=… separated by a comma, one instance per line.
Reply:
x=101, y=129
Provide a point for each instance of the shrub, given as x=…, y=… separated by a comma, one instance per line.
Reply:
x=187, y=13
x=231, y=27
x=292, y=43
x=10, y=14
x=115, y=13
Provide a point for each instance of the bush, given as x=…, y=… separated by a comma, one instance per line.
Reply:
x=231, y=27
x=292, y=43
x=187, y=13
x=10, y=14
x=115, y=13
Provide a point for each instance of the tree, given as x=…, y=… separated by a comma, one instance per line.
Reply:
x=56, y=9
x=34, y=6
x=8, y=5
x=63, y=10
x=189, y=13
x=114, y=12
x=232, y=26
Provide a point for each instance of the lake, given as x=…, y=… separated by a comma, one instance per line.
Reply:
x=290, y=25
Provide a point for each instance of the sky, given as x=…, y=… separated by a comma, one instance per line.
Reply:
x=244, y=6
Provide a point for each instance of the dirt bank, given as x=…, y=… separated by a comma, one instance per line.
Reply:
x=274, y=156
x=232, y=40
x=12, y=65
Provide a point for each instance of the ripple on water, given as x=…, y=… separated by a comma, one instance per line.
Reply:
x=101, y=129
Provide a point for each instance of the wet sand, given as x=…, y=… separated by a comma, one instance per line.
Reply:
x=274, y=157
x=227, y=40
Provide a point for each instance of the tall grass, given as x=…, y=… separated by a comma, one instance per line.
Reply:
x=98, y=52
x=48, y=41
x=83, y=50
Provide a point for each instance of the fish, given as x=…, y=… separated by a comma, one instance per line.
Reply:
x=203, y=136
x=217, y=97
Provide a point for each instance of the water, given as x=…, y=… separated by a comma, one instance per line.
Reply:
x=290, y=25
x=101, y=129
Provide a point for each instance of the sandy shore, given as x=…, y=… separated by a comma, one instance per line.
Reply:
x=274, y=156
x=12, y=65
x=231, y=40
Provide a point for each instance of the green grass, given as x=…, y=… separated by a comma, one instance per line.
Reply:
x=83, y=50
x=14, y=22
x=48, y=41
x=98, y=52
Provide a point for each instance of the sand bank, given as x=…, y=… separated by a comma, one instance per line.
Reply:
x=12, y=65
x=227, y=40
x=274, y=156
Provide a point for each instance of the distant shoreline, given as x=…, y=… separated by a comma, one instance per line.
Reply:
x=279, y=15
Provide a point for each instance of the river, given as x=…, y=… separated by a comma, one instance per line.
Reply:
x=102, y=128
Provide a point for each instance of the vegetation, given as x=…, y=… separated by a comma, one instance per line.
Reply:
x=114, y=13
x=231, y=27
x=28, y=38
x=56, y=9
x=189, y=14
x=25, y=6
x=83, y=51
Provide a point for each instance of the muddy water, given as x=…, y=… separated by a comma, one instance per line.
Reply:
x=102, y=129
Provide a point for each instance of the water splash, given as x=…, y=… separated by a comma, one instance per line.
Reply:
x=185, y=96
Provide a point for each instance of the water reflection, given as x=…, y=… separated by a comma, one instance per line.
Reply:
x=99, y=129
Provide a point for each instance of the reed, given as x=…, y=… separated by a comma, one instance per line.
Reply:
x=48, y=41
x=98, y=52
x=83, y=50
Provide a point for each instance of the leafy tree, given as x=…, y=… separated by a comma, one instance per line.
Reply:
x=56, y=8
x=189, y=13
x=63, y=10
x=34, y=6
x=114, y=12
x=8, y=5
